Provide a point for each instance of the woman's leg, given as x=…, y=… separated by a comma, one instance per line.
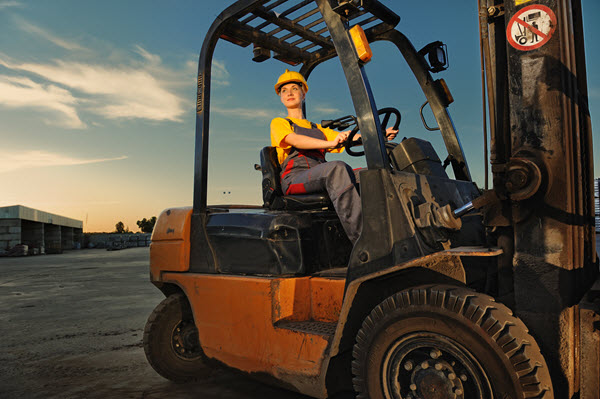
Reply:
x=337, y=178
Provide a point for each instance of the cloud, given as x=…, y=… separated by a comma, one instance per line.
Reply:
x=11, y=160
x=24, y=93
x=42, y=33
x=153, y=59
x=220, y=74
x=327, y=110
x=245, y=113
x=7, y=4
x=114, y=92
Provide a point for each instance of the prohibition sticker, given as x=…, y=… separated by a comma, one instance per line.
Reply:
x=531, y=27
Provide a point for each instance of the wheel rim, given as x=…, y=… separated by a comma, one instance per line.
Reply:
x=184, y=341
x=426, y=365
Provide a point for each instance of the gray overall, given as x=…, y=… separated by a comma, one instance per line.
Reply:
x=306, y=171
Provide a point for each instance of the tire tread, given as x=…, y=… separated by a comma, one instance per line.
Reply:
x=168, y=305
x=494, y=319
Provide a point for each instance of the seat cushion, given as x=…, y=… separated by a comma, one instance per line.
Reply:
x=306, y=201
x=273, y=197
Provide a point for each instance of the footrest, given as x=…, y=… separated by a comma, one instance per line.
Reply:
x=310, y=326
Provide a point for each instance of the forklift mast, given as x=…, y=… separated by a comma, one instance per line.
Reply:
x=542, y=165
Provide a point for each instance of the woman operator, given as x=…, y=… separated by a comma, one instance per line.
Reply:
x=301, y=147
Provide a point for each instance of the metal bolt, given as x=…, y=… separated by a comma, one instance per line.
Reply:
x=451, y=376
x=518, y=178
x=363, y=256
x=463, y=377
x=177, y=345
x=424, y=365
x=409, y=365
x=438, y=366
x=435, y=353
x=413, y=387
x=178, y=329
x=182, y=350
x=458, y=391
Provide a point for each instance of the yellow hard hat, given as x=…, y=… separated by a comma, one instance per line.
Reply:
x=291, y=77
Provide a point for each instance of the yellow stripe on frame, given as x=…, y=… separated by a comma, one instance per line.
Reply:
x=519, y=2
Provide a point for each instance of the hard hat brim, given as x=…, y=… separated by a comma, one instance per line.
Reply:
x=280, y=84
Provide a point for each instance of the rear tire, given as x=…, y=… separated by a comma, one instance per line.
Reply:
x=171, y=341
x=447, y=342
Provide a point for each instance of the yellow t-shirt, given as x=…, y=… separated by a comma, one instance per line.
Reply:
x=280, y=128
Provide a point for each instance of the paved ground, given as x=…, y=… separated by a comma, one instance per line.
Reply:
x=71, y=326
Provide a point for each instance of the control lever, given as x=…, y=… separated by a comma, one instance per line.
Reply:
x=486, y=198
x=326, y=123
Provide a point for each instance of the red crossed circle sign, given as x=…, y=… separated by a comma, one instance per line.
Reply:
x=531, y=27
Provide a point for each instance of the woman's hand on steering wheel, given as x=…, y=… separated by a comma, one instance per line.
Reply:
x=390, y=133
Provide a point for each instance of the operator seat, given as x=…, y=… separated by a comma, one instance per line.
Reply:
x=273, y=197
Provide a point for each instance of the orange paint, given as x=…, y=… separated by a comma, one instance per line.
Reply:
x=327, y=296
x=235, y=317
x=170, y=248
x=290, y=299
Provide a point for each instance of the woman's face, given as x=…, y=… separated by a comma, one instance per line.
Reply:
x=291, y=95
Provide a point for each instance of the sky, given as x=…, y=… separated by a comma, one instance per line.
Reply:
x=97, y=102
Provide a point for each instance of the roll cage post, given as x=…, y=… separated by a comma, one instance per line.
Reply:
x=362, y=96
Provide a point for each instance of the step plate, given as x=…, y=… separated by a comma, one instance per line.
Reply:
x=311, y=327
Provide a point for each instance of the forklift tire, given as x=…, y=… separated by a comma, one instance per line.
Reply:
x=171, y=341
x=446, y=342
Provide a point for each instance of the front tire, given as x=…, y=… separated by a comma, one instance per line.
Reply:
x=171, y=341
x=447, y=342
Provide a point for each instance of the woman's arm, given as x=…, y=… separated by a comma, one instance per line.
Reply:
x=309, y=143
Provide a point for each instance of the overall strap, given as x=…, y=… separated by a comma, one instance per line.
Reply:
x=292, y=124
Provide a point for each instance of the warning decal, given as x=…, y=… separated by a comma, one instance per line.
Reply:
x=531, y=27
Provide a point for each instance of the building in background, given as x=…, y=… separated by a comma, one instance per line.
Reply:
x=42, y=232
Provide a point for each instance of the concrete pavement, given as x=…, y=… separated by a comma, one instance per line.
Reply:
x=71, y=326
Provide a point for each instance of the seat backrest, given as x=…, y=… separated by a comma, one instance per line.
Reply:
x=271, y=170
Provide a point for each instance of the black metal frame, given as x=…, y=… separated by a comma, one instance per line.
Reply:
x=257, y=22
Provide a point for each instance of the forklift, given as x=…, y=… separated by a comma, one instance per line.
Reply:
x=451, y=291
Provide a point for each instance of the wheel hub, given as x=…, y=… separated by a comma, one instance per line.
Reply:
x=185, y=342
x=432, y=366
x=435, y=380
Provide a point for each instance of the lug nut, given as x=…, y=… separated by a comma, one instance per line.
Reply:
x=463, y=377
x=451, y=376
x=438, y=366
x=434, y=354
x=408, y=365
x=458, y=391
x=424, y=365
x=413, y=387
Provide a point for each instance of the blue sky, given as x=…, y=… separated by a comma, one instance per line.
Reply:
x=97, y=101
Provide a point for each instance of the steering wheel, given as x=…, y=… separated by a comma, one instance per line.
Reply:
x=386, y=112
